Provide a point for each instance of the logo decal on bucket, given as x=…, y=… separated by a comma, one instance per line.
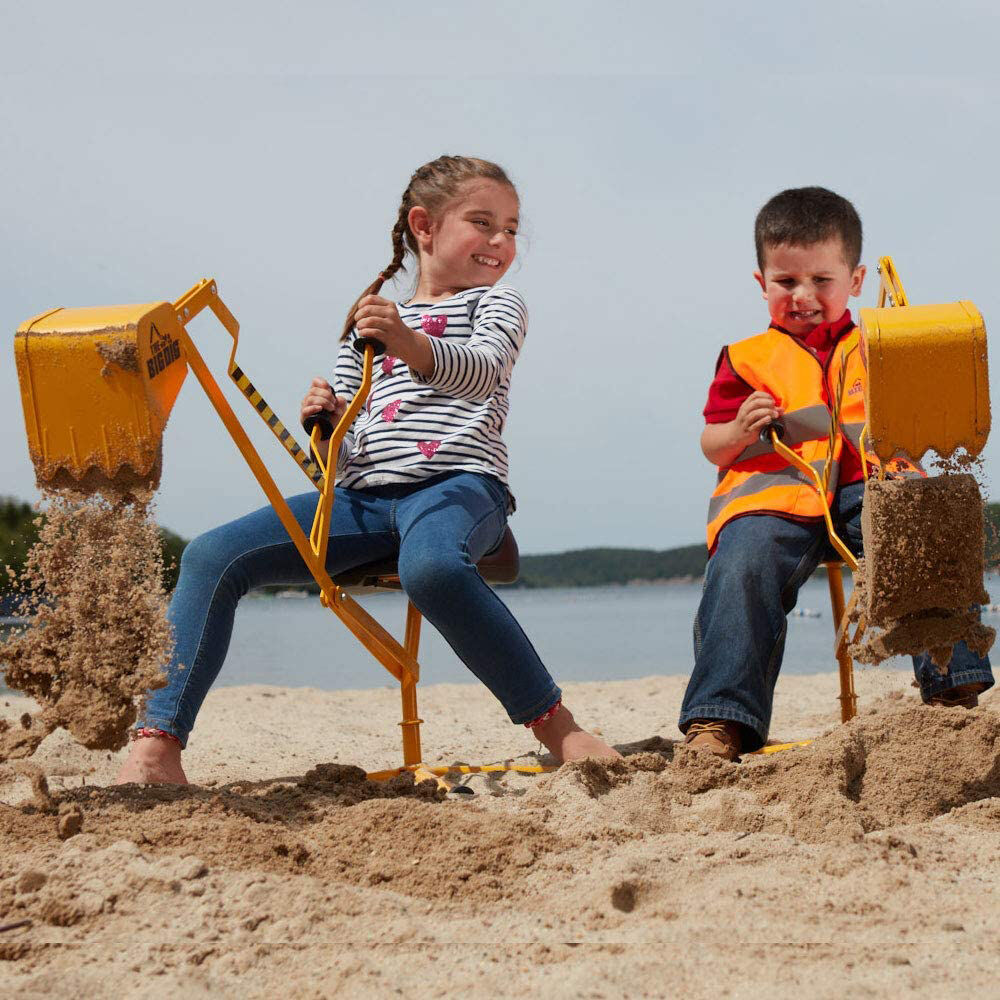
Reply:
x=163, y=351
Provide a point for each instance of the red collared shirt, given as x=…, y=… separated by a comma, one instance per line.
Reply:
x=728, y=391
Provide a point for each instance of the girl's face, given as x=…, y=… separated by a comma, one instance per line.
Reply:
x=473, y=240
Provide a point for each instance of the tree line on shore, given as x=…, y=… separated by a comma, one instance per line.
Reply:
x=595, y=567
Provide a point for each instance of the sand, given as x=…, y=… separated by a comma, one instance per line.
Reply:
x=923, y=545
x=93, y=589
x=864, y=864
x=122, y=351
x=923, y=569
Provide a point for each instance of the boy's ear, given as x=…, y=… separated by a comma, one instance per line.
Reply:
x=420, y=225
x=761, y=282
x=858, y=279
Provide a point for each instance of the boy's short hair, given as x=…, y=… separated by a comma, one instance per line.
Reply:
x=804, y=216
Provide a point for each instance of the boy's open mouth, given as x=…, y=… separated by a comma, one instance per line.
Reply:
x=485, y=261
x=805, y=315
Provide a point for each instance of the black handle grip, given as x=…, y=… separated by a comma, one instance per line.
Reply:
x=777, y=426
x=321, y=420
x=360, y=343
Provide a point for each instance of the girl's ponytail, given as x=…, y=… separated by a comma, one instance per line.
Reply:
x=399, y=248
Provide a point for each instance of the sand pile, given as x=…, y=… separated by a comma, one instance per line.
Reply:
x=98, y=639
x=900, y=763
x=332, y=823
x=923, y=569
x=864, y=861
x=648, y=792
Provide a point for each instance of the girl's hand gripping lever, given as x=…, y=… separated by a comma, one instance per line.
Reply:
x=377, y=322
x=321, y=408
x=320, y=420
x=360, y=343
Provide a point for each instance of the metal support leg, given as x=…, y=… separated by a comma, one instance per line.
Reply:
x=408, y=688
x=848, y=696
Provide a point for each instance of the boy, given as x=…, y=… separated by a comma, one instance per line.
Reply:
x=766, y=534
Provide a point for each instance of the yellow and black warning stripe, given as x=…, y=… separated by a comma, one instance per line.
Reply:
x=257, y=401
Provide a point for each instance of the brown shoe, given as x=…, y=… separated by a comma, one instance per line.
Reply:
x=717, y=736
x=963, y=696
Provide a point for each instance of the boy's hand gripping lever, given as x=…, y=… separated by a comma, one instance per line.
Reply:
x=772, y=434
x=776, y=426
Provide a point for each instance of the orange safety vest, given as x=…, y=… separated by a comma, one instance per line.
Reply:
x=760, y=481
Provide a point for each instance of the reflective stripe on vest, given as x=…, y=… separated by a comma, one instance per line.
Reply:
x=760, y=480
x=853, y=433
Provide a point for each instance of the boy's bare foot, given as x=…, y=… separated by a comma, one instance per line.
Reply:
x=565, y=740
x=155, y=760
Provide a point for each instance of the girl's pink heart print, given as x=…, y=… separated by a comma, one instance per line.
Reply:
x=428, y=447
x=433, y=325
x=390, y=410
x=387, y=364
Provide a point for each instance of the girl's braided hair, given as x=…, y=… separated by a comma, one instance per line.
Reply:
x=432, y=186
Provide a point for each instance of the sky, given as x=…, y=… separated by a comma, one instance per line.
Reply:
x=146, y=146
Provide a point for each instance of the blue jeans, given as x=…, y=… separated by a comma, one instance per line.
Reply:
x=751, y=583
x=439, y=528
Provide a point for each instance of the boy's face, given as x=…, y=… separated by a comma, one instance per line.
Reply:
x=806, y=286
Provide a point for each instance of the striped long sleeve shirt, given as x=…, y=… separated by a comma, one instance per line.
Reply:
x=414, y=427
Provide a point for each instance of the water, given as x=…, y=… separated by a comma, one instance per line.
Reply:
x=581, y=634
x=602, y=633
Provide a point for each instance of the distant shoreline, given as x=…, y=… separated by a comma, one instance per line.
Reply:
x=674, y=581
x=590, y=567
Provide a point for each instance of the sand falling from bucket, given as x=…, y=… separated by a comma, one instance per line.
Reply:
x=98, y=638
x=921, y=580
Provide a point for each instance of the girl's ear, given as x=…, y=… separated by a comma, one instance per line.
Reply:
x=422, y=227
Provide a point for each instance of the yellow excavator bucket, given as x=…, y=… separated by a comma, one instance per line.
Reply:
x=97, y=386
x=928, y=384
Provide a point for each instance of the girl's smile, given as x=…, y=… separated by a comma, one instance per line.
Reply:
x=486, y=261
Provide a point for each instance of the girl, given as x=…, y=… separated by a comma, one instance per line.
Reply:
x=423, y=472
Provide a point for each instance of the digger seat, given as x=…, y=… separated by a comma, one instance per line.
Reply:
x=501, y=565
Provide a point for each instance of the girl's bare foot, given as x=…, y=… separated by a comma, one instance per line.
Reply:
x=565, y=740
x=154, y=760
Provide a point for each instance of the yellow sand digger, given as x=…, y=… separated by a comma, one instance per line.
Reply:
x=927, y=389
x=97, y=387
x=928, y=382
